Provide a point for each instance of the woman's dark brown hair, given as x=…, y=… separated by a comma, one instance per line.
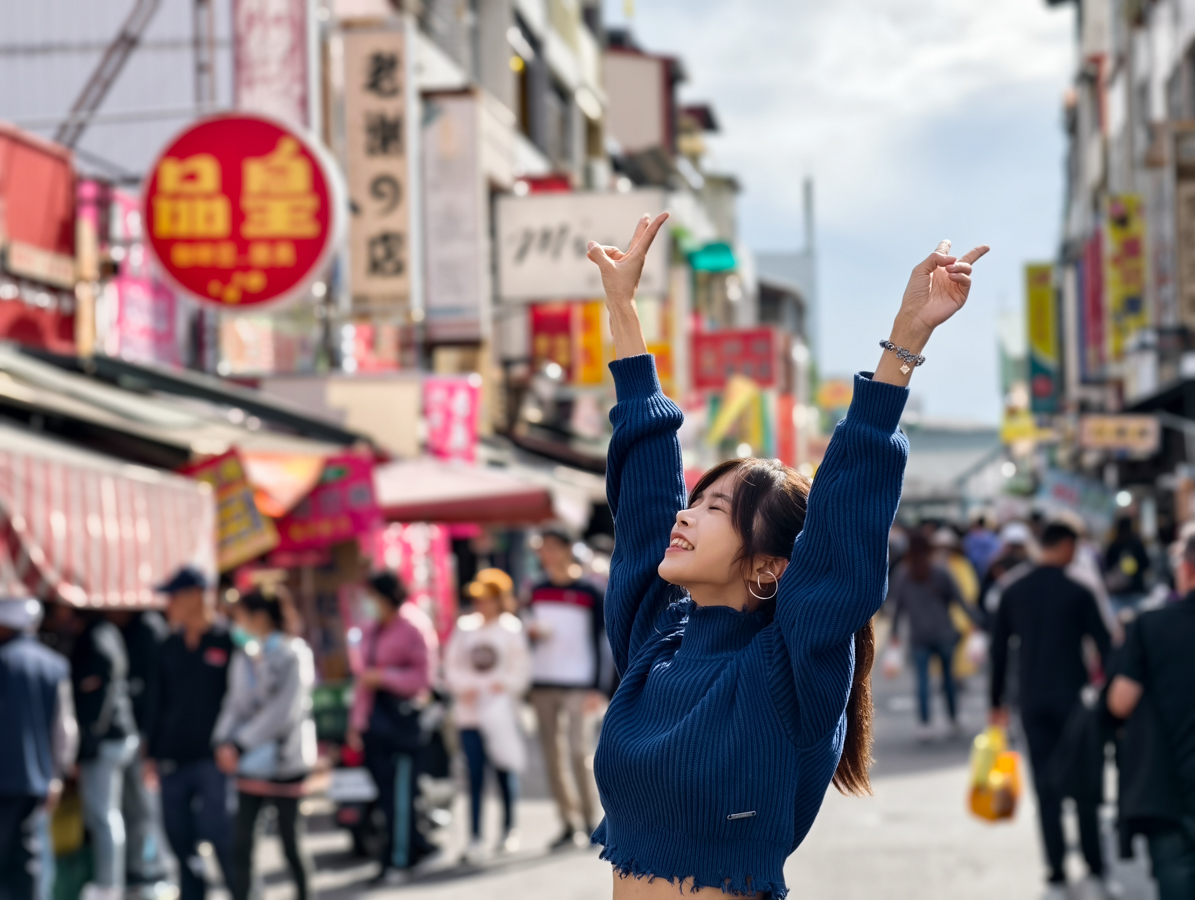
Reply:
x=768, y=512
x=919, y=557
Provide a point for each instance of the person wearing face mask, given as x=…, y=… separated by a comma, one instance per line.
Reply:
x=392, y=690
x=265, y=735
x=192, y=682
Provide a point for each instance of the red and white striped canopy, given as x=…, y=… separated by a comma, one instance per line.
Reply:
x=93, y=531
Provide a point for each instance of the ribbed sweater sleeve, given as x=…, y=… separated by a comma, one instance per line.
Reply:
x=645, y=485
x=838, y=574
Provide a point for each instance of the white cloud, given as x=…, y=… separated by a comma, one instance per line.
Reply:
x=917, y=118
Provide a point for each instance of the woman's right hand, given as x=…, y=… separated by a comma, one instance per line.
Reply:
x=353, y=740
x=621, y=271
x=620, y=279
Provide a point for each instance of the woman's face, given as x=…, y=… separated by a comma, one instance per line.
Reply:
x=257, y=623
x=705, y=546
x=488, y=605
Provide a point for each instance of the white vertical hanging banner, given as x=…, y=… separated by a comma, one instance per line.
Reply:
x=270, y=58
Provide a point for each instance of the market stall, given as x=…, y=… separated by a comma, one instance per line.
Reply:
x=92, y=531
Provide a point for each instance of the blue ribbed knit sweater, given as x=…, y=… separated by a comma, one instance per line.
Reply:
x=725, y=732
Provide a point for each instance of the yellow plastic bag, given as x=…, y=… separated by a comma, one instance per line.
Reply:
x=995, y=776
x=66, y=825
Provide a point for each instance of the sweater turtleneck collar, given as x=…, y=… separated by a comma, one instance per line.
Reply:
x=719, y=630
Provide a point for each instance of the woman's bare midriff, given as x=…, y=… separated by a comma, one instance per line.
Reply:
x=655, y=888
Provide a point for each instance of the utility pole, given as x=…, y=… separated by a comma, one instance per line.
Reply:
x=204, y=51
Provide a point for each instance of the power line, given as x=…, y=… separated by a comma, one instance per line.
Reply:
x=47, y=49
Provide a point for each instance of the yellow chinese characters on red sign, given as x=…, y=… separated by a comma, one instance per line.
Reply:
x=241, y=211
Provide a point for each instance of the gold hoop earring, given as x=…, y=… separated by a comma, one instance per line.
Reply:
x=759, y=584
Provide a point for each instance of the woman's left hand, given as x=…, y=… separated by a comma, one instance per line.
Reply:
x=937, y=289
x=372, y=678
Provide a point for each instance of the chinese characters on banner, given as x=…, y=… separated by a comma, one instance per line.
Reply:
x=452, y=409
x=241, y=212
x=242, y=532
x=378, y=170
x=1125, y=285
x=339, y=508
x=1041, y=316
x=270, y=58
x=421, y=555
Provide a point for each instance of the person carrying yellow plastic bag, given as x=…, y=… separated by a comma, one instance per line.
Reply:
x=995, y=776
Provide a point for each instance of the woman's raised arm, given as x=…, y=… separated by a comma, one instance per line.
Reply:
x=837, y=576
x=644, y=473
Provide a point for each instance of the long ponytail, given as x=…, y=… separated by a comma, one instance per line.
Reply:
x=851, y=776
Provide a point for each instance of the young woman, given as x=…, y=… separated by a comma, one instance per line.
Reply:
x=265, y=734
x=488, y=668
x=745, y=650
x=385, y=721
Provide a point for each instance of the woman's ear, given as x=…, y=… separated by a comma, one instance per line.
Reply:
x=768, y=568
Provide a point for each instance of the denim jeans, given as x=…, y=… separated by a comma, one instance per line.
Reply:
x=23, y=849
x=197, y=805
x=508, y=782
x=921, y=657
x=101, y=788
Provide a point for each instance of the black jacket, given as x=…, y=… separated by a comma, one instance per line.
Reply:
x=100, y=679
x=143, y=638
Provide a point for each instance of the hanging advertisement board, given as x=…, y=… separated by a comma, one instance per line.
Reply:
x=242, y=211
x=1125, y=272
x=454, y=213
x=1041, y=317
x=270, y=70
x=452, y=413
x=378, y=170
x=1091, y=293
x=720, y=355
x=242, y=532
x=542, y=242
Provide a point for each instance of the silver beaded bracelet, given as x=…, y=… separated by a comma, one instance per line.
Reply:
x=907, y=356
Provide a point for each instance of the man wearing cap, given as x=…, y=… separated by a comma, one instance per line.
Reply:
x=38, y=742
x=192, y=679
x=1051, y=614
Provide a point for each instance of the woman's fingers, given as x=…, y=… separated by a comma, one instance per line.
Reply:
x=964, y=268
x=640, y=227
x=649, y=235
x=960, y=278
x=613, y=252
x=973, y=255
x=940, y=257
x=597, y=253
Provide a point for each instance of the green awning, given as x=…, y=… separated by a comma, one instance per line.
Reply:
x=715, y=257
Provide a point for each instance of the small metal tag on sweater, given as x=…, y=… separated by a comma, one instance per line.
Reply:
x=742, y=815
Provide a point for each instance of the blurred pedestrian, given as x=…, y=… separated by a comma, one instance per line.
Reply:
x=981, y=543
x=265, y=734
x=565, y=622
x=923, y=592
x=487, y=667
x=108, y=745
x=385, y=722
x=197, y=798
x=1013, y=560
x=38, y=741
x=1125, y=565
x=1087, y=569
x=1153, y=690
x=143, y=632
x=1051, y=615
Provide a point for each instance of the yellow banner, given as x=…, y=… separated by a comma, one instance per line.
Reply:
x=1125, y=271
x=1042, y=313
x=591, y=368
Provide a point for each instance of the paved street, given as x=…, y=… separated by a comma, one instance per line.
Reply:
x=914, y=840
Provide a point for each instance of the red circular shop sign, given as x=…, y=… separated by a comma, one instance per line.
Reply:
x=242, y=211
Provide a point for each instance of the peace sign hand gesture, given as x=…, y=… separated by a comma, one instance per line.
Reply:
x=937, y=289
x=621, y=271
x=620, y=279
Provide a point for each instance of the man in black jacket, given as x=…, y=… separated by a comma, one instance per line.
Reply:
x=1155, y=690
x=108, y=743
x=1051, y=614
x=192, y=681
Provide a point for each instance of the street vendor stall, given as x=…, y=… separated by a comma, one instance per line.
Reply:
x=92, y=531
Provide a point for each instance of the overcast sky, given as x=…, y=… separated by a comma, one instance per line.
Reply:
x=918, y=120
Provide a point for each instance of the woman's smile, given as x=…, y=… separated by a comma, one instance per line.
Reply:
x=679, y=544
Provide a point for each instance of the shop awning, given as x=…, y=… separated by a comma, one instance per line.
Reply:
x=93, y=531
x=429, y=490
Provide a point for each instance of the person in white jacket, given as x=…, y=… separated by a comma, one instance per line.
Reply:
x=487, y=669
